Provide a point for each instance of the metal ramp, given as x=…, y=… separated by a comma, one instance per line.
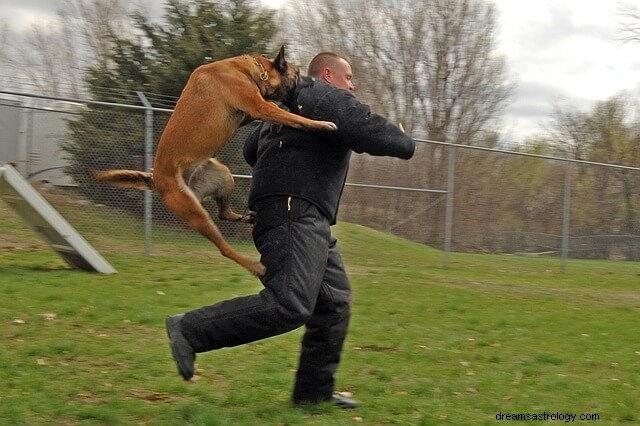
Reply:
x=18, y=193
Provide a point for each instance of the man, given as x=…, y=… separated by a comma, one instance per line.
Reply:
x=298, y=179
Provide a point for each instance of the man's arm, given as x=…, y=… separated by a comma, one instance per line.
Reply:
x=363, y=130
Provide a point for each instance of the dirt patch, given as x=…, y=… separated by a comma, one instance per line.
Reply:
x=14, y=243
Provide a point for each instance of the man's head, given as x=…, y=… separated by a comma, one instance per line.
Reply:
x=333, y=69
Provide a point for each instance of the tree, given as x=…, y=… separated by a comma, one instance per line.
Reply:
x=4, y=46
x=95, y=22
x=193, y=33
x=604, y=135
x=44, y=66
x=630, y=22
x=158, y=62
x=53, y=55
x=431, y=65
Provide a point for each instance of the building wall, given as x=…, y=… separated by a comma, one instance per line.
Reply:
x=31, y=139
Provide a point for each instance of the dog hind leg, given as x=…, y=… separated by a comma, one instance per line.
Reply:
x=225, y=212
x=214, y=179
x=184, y=204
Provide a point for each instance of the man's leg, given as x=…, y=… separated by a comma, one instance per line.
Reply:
x=325, y=334
x=293, y=239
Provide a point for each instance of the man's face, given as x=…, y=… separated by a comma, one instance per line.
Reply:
x=340, y=75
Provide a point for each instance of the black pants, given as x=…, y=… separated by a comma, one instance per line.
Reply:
x=305, y=284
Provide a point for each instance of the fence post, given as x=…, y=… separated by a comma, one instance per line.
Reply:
x=148, y=159
x=566, y=213
x=449, y=212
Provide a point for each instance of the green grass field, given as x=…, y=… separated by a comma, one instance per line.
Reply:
x=427, y=344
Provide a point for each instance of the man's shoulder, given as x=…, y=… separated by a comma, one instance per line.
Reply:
x=323, y=95
x=319, y=88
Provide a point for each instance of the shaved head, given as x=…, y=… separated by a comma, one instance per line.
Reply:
x=323, y=60
x=333, y=69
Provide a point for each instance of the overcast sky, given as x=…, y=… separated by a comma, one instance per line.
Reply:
x=564, y=51
x=557, y=51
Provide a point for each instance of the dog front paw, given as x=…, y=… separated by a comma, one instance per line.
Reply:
x=249, y=217
x=325, y=125
x=258, y=269
x=328, y=125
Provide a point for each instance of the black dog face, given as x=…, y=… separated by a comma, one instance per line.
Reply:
x=289, y=77
x=291, y=101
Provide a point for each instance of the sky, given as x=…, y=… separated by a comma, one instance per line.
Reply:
x=563, y=52
x=558, y=52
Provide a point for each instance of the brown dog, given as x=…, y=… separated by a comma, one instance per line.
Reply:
x=217, y=99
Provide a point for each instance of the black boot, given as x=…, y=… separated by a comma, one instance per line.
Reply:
x=183, y=353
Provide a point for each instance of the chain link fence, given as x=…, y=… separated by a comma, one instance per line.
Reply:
x=454, y=198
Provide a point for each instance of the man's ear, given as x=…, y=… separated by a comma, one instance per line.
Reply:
x=326, y=74
x=279, y=63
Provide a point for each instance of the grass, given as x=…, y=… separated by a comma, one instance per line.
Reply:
x=427, y=344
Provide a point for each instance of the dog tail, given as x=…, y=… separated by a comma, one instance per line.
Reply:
x=126, y=178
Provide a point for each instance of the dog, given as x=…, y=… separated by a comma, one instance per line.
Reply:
x=218, y=98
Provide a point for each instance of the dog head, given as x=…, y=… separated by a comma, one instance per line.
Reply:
x=277, y=78
x=290, y=102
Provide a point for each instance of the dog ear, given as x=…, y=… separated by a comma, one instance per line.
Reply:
x=279, y=63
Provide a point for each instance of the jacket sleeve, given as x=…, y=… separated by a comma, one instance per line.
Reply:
x=361, y=129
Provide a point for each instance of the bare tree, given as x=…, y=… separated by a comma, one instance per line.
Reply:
x=570, y=134
x=4, y=31
x=630, y=23
x=4, y=46
x=95, y=22
x=53, y=55
x=430, y=64
x=606, y=134
x=41, y=61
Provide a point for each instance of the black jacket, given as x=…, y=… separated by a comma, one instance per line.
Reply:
x=313, y=165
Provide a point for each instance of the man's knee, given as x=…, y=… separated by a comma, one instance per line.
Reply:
x=295, y=314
